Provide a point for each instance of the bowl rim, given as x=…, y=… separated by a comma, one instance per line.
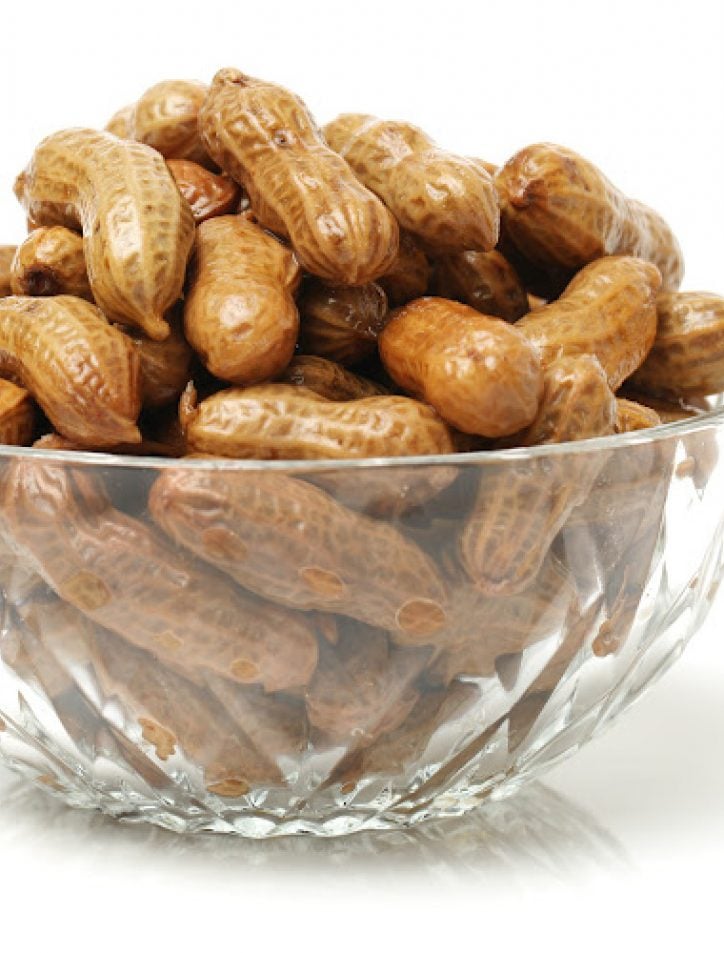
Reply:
x=653, y=435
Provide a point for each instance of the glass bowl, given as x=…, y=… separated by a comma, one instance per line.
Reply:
x=320, y=647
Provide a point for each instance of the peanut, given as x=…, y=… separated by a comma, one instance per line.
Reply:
x=560, y=210
x=363, y=688
x=480, y=374
x=239, y=314
x=521, y=506
x=165, y=366
x=687, y=358
x=608, y=310
x=264, y=137
x=284, y=422
x=17, y=415
x=41, y=212
x=83, y=372
x=7, y=253
x=121, y=122
x=448, y=202
x=137, y=228
x=51, y=262
x=328, y=379
x=576, y=400
x=208, y=195
x=339, y=322
x=631, y=416
x=127, y=579
x=409, y=276
x=166, y=118
x=483, y=628
x=483, y=280
x=291, y=542
x=669, y=410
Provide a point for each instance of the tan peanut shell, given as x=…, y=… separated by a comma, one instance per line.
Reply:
x=339, y=322
x=483, y=280
x=448, y=202
x=559, y=210
x=576, y=400
x=239, y=314
x=137, y=228
x=520, y=506
x=17, y=415
x=291, y=542
x=479, y=373
x=264, y=137
x=166, y=118
x=363, y=688
x=631, y=416
x=608, y=310
x=668, y=409
x=51, y=261
x=83, y=372
x=483, y=628
x=121, y=122
x=165, y=366
x=328, y=379
x=208, y=195
x=409, y=276
x=7, y=254
x=127, y=579
x=284, y=422
x=687, y=358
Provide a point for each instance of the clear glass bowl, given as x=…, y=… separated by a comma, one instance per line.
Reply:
x=276, y=648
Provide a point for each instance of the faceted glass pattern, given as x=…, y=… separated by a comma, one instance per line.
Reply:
x=320, y=648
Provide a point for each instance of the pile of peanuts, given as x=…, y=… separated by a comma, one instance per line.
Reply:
x=213, y=276
x=199, y=279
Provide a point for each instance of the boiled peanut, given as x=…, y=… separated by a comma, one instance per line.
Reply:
x=409, y=276
x=166, y=118
x=165, y=366
x=264, y=137
x=631, y=416
x=127, y=579
x=687, y=359
x=137, y=228
x=339, y=322
x=560, y=210
x=83, y=372
x=669, y=410
x=17, y=415
x=363, y=688
x=41, y=212
x=51, y=261
x=121, y=122
x=608, y=310
x=328, y=379
x=482, y=628
x=240, y=315
x=483, y=280
x=521, y=506
x=480, y=374
x=7, y=253
x=284, y=422
x=576, y=400
x=397, y=750
x=448, y=202
x=208, y=195
x=291, y=542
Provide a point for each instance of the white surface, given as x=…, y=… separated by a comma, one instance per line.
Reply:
x=638, y=87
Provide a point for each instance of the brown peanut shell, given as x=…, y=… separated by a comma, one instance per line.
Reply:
x=208, y=194
x=608, y=310
x=328, y=379
x=239, y=314
x=480, y=374
x=264, y=137
x=51, y=261
x=409, y=276
x=137, y=227
x=483, y=280
x=448, y=202
x=341, y=323
x=17, y=415
x=284, y=422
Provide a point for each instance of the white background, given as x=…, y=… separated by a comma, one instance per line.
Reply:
x=639, y=88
